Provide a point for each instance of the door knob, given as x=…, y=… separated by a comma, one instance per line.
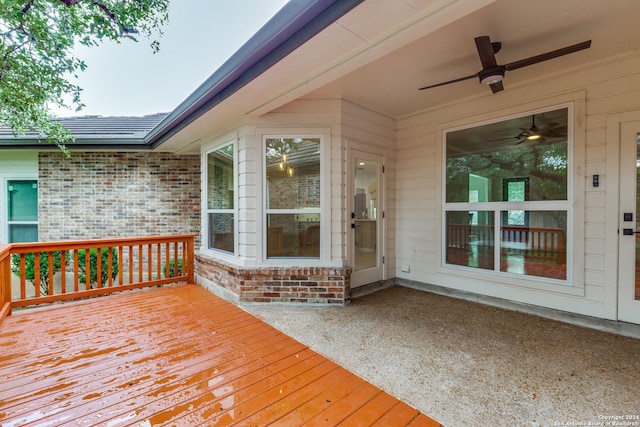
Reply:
x=629, y=232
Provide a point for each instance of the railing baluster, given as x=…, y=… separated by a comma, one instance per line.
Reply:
x=120, y=264
x=87, y=269
x=36, y=272
x=167, y=251
x=98, y=267
x=175, y=260
x=23, y=275
x=109, y=267
x=50, y=285
x=76, y=270
x=130, y=264
x=140, y=262
x=149, y=261
x=63, y=272
x=159, y=261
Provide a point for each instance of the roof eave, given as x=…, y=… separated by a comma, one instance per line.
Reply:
x=296, y=23
x=78, y=144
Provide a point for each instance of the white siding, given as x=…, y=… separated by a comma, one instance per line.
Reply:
x=365, y=127
x=609, y=87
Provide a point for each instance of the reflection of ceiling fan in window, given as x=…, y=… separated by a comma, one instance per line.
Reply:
x=537, y=134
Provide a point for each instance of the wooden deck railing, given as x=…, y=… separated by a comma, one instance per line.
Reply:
x=56, y=271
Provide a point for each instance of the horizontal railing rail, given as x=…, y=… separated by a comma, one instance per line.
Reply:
x=39, y=273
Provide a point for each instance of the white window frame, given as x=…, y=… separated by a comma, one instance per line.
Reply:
x=205, y=201
x=9, y=223
x=497, y=207
x=320, y=211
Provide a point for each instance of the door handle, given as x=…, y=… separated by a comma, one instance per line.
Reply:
x=629, y=232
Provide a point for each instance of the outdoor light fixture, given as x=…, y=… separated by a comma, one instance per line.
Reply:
x=491, y=75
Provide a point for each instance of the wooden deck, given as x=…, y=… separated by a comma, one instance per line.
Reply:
x=175, y=356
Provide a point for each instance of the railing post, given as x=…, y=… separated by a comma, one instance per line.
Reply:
x=191, y=259
x=5, y=281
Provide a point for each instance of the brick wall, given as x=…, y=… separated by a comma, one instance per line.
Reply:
x=311, y=285
x=104, y=195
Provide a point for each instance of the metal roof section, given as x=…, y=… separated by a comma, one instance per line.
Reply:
x=292, y=26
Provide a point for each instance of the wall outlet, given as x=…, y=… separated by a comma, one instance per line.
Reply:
x=405, y=268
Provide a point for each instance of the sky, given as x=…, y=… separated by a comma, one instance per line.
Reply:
x=128, y=79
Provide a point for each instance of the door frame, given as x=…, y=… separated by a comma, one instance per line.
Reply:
x=613, y=211
x=628, y=305
x=353, y=149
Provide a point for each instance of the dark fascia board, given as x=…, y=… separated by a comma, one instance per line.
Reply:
x=291, y=27
x=111, y=144
x=295, y=24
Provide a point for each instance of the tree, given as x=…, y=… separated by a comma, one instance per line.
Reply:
x=37, y=59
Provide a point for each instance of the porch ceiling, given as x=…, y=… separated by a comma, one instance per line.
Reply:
x=382, y=51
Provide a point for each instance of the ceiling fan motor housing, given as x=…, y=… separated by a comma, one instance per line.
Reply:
x=491, y=75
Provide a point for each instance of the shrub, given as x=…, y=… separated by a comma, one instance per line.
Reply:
x=172, y=271
x=93, y=265
x=30, y=267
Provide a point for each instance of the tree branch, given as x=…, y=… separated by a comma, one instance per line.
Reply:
x=107, y=11
x=26, y=8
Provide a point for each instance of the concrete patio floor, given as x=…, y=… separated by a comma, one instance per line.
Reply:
x=469, y=364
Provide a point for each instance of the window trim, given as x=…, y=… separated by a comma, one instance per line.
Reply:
x=8, y=222
x=322, y=210
x=571, y=283
x=205, y=201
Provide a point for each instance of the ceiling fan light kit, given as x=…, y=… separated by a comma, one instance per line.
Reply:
x=492, y=73
x=491, y=76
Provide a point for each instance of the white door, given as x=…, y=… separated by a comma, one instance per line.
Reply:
x=366, y=216
x=629, y=234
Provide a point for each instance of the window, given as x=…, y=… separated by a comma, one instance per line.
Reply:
x=220, y=198
x=507, y=196
x=22, y=215
x=293, y=197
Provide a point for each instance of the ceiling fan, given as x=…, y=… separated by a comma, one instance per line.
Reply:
x=537, y=134
x=492, y=73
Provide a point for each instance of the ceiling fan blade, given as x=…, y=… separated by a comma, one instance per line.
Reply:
x=472, y=76
x=485, y=51
x=496, y=87
x=547, y=56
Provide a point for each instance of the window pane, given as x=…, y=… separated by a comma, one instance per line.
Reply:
x=538, y=249
x=23, y=233
x=23, y=200
x=495, y=162
x=293, y=173
x=470, y=239
x=291, y=235
x=220, y=178
x=221, y=231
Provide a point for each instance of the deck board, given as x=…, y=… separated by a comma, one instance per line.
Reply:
x=174, y=356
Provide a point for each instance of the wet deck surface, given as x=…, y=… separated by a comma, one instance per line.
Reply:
x=175, y=356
